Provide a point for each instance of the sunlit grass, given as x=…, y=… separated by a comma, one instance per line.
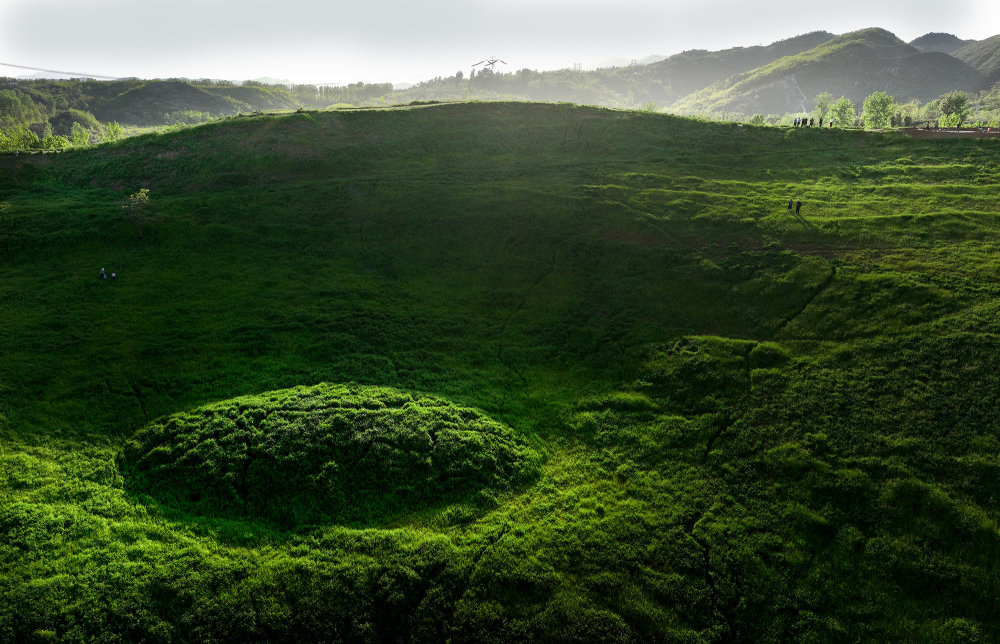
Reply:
x=750, y=424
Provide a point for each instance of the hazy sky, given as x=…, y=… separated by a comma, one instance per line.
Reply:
x=333, y=41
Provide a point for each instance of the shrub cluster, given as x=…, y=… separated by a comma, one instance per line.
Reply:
x=325, y=453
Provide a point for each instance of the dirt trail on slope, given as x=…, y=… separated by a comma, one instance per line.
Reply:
x=951, y=133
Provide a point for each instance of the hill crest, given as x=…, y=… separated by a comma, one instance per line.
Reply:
x=940, y=42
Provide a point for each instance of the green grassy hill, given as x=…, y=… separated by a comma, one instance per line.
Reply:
x=488, y=371
x=852, y=65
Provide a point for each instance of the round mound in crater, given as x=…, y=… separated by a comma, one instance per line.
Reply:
x=325, y=453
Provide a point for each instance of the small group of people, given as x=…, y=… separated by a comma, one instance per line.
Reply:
x=810, y=122
x=103, y=275
x=797, y=205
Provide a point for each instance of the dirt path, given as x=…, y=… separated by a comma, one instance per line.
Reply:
x=951, y=133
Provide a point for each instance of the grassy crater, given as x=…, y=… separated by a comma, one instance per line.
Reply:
x=327, y=453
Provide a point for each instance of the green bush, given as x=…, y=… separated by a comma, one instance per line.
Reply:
x=63, y=122
x=325, y=453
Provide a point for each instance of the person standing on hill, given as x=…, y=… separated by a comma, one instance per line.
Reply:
x=798, y=205
x=790, y=206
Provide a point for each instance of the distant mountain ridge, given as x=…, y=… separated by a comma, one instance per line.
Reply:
x=940, y=42
x=852, y=65
x=780, y=78
x=694, y=69
x=984, y=55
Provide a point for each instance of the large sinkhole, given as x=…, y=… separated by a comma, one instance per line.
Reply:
x=325, y=453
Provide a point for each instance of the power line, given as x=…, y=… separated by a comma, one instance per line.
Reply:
x=82, y=75
x=54, y=71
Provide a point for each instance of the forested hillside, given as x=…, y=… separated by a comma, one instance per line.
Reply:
x=47, y=108
x=940, y=42
x=661, y=82
x=497, y=372
x=984, y=56
x=853, y=65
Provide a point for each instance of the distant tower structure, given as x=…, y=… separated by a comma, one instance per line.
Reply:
x=488, y=63
x=633, y=63
x=577, y=67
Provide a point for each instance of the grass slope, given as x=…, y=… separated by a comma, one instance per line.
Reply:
x=852, y=65
x=752, y=425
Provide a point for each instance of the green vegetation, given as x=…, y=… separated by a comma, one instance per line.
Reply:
x=824, y=103
x=330, y=454
x=877, y=110
x=54, y=115
x=954, y=108
x=842, y=112
x=501, y=371
x=136, y=208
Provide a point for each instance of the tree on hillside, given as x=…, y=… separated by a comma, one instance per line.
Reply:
x=18, y=137
x=136, y=207
x=16, y=107
x=954, y=108
x=906, y=114
x=842, y=112
x=824, y=101
x=877, y=110
x=80, y=135
x=62, y=123
x=55, y=142
x=987, y=108
x=113, y=132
